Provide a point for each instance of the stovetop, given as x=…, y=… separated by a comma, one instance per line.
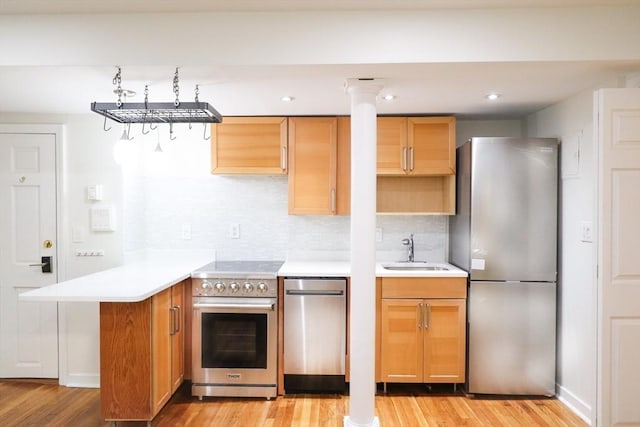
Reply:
x=238, y=270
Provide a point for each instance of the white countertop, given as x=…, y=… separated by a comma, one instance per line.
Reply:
x=315, y=269
x=138, y=280
x=343, y=269
x=132, y=282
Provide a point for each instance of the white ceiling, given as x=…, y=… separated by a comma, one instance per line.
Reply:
x=136, y=6
x=431, y=88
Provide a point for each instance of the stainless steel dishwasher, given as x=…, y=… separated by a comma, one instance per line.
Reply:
x=315, y=313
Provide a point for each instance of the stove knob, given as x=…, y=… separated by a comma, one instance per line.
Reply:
x=220, y=287
x=234, y=287
x=262, y=287
x=248, y=288
x=206, y=285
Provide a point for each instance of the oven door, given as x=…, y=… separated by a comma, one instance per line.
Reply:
x=234, y=341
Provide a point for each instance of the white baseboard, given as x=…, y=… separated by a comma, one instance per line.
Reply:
x=577, y=406
x=81, y=380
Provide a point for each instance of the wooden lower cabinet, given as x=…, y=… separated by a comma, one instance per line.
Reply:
x=421, y=340
x=141, y=354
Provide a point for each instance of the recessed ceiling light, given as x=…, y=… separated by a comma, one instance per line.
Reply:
x=492, y=96
x=287, y=98
x=389, y=97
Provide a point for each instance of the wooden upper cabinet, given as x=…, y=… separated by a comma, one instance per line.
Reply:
x=416, y=146
x=432, y=145
x=249, y=145
x=392, y=146
x=343, y=179
x=318, y=166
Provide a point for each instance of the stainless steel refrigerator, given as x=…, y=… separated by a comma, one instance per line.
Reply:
x=505, y=235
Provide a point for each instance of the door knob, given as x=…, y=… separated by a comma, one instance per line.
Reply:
x=47, y=244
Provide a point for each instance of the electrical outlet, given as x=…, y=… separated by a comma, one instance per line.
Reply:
x=378, y=234
x=90, y=252
x=234, y=231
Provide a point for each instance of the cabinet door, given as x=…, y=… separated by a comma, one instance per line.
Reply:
x=312, y=165
x=432, y=145
x=161, y=349
x=343, y=164
x=125, y=360
x=249, y=145
x=401, y=340
x=392, y=146
x=177, y=337
x=444, y=340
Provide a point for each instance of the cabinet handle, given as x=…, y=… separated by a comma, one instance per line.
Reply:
x=172, y=321
x=178, y=321
x=283, y=158
x=411, y=158
x=420, y=317
x=427, y=321
x=333, y=200
x=404, y=158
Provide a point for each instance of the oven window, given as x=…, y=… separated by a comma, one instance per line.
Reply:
x=234, y=340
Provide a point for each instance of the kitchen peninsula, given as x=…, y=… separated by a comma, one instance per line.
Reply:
x=142, y=341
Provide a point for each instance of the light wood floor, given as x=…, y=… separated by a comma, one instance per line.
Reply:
x=37, y=404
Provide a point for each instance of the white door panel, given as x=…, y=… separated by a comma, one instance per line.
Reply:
x=28, y=331
x=618, y=256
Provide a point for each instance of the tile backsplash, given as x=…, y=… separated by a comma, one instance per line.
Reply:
x=160, y=212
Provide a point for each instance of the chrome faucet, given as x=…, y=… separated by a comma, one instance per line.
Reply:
x=409, y=242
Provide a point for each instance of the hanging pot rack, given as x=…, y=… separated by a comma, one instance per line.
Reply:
x=156, y=112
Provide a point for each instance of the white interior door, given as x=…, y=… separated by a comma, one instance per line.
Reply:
x=28, y=330
x=618, y=257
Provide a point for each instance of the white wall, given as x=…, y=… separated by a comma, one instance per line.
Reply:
x=87, y=159
x=466, y=129
x=571, y=122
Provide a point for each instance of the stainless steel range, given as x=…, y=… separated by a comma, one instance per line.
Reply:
x=235, y=329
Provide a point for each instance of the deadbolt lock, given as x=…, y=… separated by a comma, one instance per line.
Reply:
x=47, y=244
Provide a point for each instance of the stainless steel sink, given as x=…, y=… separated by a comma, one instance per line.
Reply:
x=414, y=266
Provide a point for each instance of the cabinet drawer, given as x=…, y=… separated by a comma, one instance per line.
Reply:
x=424, y=287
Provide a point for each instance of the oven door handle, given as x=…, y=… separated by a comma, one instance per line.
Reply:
x=234, y=306
x=311, y=292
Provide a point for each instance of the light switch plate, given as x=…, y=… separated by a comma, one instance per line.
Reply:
x=378, y=234
x=185, y=232
x=103, y=218
x=95, y=192
x=586, y=231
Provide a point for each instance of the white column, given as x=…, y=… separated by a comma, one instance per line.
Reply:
x=363, y=252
